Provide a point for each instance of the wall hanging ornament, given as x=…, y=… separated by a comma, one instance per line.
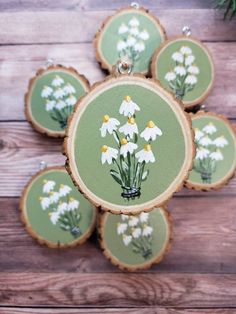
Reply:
x=132, y=33
x=53, y=210
x=215, y=160
x=136, y=242
x=184, y=66
x=51, y=97
x=118, y=141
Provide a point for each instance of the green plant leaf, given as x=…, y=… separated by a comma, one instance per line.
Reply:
x=145, y=175
x=116, y=176
x=135, y=138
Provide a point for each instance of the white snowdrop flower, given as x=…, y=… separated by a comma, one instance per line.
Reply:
x=127, y=147
x=57, y=81
x=189, y=60
x=123, y=29
x=127, y=239
x=47, y=91
x=45, y=202
x=54, y=216
x=131, y=41
x=121, y=45
x=147, y=231
x=129, y=128
x=139, y=46
x=69, y=89
x=134, y=22
x=143, y=217
x=193, y=69
x=71, y=101
x=64, y=190
x=136, y=232
x=62, y=208
x=202, y=153
x=128, y=107
x=108, y=154
x=60, y=104
x=133, y=221
x=144, y=35
x=54, y=197
x=48, y=185
x=59, y=93
x=180, y=70
x=185, y=50
x=220, y=141
x=145, y=154
x=191, y=79
x=151, y=132
x=217, y=155
x=73, y=204
x=198, y=134
x=205, y=141
x=121, y=228
x=209, y=128
x=170, y=76
x=109, y=125
x=50, y=104
x=178, y=56
x=124, y=217
x=134, y=31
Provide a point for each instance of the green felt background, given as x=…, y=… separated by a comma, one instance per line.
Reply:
x=115, y=245
x=169, y=149
x=39, y=219
x=229, y=151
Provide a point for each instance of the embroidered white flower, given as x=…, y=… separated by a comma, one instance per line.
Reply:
x=178, y=56
x=62, y=208
x=217, y=155
x=136, y=233
x=71, y=101
x=109, y=125
x=57, y=81
x=47, y=91
x=134, y=22
x=143, y=217
x=202, y=153
x=139, y=46
x=198, y=134
x=59, y=93
x=180, y=70
x=170, y=76
x=145, y=154
x=205, y=141
x=50, y=104
x=121, y=45
x=220, y=141
x=186, y=50
x=193, y=69
x=121, y=228
x=54, y=217
x=147, y=231
x=128, y=107
x=131, y=41
x=191, y=79
x=129, y=128
x=54, y=197
x=127, y=147
x=151, y=132
x=48, y=186
x=60, y=104
x=45, y=202
x=144, y=35
x=133, y=221
x=124, y=217
x=134, y=31
x=108, y=154
x=127, y=239
x=69, y=89
x=73, y=204
x=189, y=60
x=64, y=190
x=123, y=29
x=209, y=128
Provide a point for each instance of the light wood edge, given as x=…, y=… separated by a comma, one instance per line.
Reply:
x=56, y=134
x=212, y=187
x=66, y=147
x=100, y=228
x=188, y=106
x=98, y=54
x=30, y=230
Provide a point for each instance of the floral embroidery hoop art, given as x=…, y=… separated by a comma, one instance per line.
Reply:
x=132, y=33
x=54, y=212
x=51, y=97
x=184, y=66
x=136, y=242
x=117, y=142
x=215, y=160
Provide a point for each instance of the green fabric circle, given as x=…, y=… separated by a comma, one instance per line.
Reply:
x=210, y=172
x=141, y=247
x=39, y=219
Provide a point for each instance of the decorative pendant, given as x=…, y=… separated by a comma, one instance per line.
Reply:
x=54, y=212
x=136, y=242
x=51, y=97
x=215, y=161
x=184, y=66
x=131, y=33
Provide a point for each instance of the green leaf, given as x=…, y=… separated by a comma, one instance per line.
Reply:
x=145, y=175
x=124, y=166
x=135, y=138
x=116, y=176
x=116, y=137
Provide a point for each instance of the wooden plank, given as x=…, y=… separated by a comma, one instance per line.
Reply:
x=19, y=63
x=204, y=241
x=118, y=290
x=53, y=27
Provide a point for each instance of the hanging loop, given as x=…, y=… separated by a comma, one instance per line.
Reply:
x=186, y=30
x=135, y=5
x=49, y=62
x=42, y=165
x=124, y=66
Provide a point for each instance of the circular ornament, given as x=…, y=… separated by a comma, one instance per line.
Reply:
x=184, y=66
x=53, y=210
x=51, y=97
x=129, y=145
x=131, y=33
x=136, y=242
x=215, y=160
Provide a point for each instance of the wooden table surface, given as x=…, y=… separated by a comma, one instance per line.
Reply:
x=198, y=275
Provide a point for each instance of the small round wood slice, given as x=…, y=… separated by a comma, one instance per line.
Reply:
x=136, y=242
x=215, y=160
x=51, y=97
x=54, y=212
x=184, y=66
x=129, y=33
x=129, y=145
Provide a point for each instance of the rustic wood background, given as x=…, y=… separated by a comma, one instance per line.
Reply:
x=199, y=274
